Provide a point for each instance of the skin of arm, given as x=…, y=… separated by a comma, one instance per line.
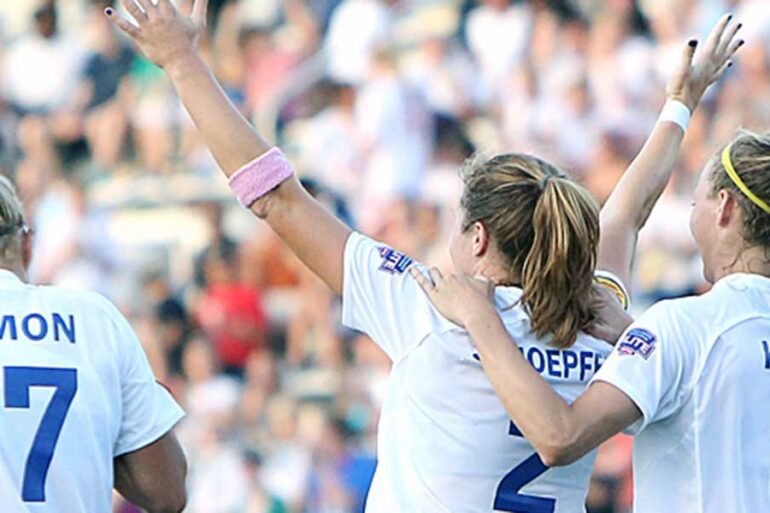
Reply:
x=154, y=477
x=169, y=39
x=631, y=201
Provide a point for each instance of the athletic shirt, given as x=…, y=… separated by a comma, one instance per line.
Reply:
x=445, y=442
x=76, y=391
x=698, y=369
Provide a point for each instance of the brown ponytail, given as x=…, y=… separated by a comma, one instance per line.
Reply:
x=547, y=226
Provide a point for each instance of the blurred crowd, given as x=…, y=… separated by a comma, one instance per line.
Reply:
x=378, y=102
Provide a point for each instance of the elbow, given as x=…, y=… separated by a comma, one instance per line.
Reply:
x=558, y=451
x=171, y=502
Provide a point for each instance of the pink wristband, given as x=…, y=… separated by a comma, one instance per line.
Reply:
x=260, y=176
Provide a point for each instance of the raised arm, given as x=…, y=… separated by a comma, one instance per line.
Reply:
x=169, y=39
x=629, y=206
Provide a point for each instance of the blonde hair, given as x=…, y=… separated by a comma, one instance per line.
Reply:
x=547, y=228
x=750, y=157
x=11, y=220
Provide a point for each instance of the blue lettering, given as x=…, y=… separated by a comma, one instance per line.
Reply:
x=584, y=364
x=767, y=353
x=67, y=326
x=570, y=362
x=531, y=357
x=8, y=322
x=42, y=327
x=553, y=362
x=598, y=361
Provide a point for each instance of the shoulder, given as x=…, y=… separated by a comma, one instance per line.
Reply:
x=86, y=301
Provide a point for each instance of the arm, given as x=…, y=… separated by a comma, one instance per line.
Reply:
x=629, y=206
x=153, y=477
x=561, y=433
x=169, y=39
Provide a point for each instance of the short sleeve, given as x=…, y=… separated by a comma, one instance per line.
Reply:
x=610, y=281
x=650, y=364
x=148, y=410
x=380, y=299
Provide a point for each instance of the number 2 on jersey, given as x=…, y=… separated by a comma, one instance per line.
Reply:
x=508, y=497
x=17, y=383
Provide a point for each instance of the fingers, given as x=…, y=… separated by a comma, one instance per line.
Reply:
x=123, y=24
x=727, y=39
x=133, y=9
x=727, y=65
x=734, y=47
x=425, y=283
x=688, y=54
x=199, y=10
x=435, y=276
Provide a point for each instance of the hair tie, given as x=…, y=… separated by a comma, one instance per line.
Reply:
x=544, y=182
x=736, y=178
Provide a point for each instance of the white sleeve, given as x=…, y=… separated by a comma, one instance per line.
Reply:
x=147, y=409
x=380, y=299
x=650, y=364
x=617, y=287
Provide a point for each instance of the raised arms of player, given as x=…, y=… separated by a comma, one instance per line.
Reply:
x=628, y=207
x=154, y=477
x=169, y=39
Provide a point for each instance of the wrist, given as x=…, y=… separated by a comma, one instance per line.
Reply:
x=676, y=111
x=183, y=64
x=480, y=315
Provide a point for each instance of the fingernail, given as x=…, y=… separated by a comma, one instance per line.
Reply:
x=730, y=64
x=740, y=25
x=693, y=43
x=741, y=42
x=729, y=17
x=108, y=11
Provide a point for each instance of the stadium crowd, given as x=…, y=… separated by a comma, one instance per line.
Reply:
x=378, y=102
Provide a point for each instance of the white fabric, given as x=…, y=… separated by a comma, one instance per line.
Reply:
x=117, y=408
x=676, y=112
x=703, y=444
x=443, y=441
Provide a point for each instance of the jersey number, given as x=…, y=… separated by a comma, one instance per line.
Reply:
x=508, y=497
x=18, y=381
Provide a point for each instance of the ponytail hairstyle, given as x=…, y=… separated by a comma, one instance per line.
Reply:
x=546, y=227
x=749, y=157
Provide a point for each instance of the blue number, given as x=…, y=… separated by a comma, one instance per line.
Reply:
x=508, y=497
x=18, y=381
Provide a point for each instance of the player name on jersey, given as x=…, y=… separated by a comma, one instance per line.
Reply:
x=36, y=327
x=766, y=347
x=563, y=363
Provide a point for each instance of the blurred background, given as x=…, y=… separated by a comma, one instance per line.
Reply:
x=377, y=102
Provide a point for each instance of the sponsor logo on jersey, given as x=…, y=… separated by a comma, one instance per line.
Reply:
x=638, y=341
x=394, y=262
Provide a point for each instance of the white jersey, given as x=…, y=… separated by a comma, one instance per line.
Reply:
x=698, y=369
x=445, y=442
x=76, y=391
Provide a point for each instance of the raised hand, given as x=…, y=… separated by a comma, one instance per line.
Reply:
x=692, y=77
x=458, y=297
x=161, y=32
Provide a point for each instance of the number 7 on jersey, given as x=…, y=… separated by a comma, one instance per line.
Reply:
x=17, y=384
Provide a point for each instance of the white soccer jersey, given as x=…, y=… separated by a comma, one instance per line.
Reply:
x=445, y=442
x=698, y=369
x=76, y=391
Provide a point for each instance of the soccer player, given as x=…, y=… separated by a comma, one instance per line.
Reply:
x=445, y=441
x=80, y=410
x=690, y=378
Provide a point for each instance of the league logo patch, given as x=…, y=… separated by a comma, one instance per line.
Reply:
x=394, y=262
x=638, y=341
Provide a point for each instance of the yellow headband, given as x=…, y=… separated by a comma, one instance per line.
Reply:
x=730, y=169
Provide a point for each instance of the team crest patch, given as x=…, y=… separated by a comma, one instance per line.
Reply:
x=638, y=341
x=394, y=262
